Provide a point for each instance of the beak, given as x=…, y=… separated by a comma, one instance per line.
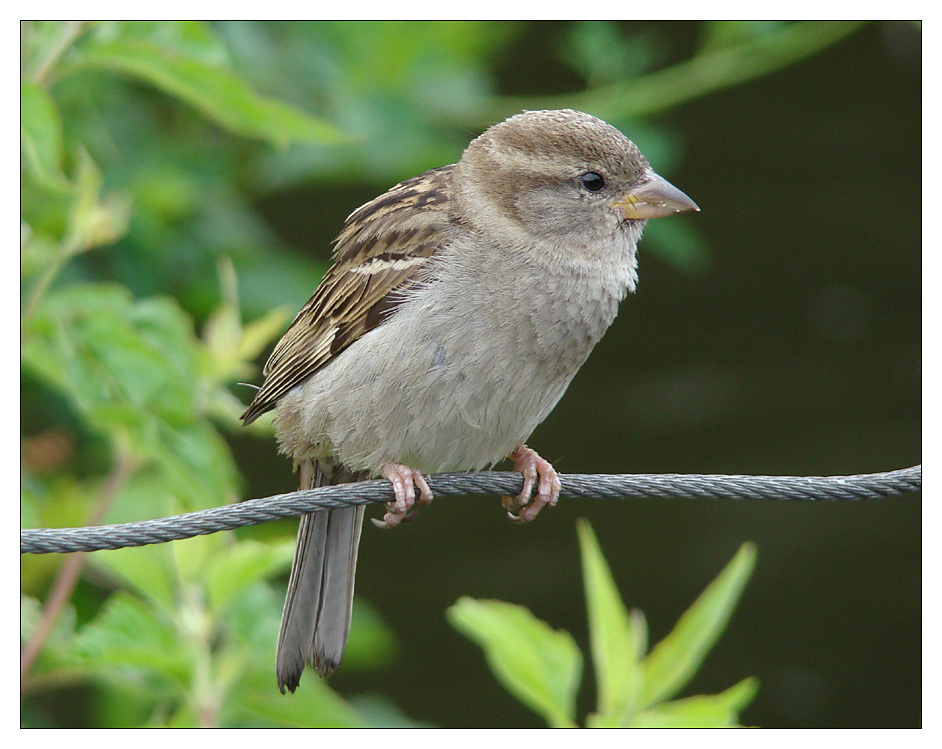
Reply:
x=653, y=198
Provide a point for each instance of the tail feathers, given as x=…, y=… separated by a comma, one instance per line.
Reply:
x=318, y=607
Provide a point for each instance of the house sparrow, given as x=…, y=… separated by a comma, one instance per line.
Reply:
x=459, y=306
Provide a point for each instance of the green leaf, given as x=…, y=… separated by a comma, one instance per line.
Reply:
x=195, y=464
x=703, y=711
x=149, y=570
x=240, y=565
x=618, y=641
x=253, y=615
x=130, y=367
x=255, y=701
x=128, y=633
x=538, y=665
x=230, y=346
x=379, y=711
x=258, y=333
x=678, y=656
x=94, y=219
x=107, y=352
x=41, y=135
x=192, y=556
x=195, y=40
x=187, y=66
x=311, y=706
x=602, y=54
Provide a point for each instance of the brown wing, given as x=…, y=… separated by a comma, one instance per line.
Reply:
x=377, y=255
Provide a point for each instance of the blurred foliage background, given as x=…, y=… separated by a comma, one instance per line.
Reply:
x=180, y=186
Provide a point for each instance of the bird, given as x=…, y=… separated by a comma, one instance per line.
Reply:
x=458, y=307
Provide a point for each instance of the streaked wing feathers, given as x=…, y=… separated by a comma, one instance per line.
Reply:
x=377, y=255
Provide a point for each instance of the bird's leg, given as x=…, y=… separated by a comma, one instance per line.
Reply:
x=520, y=508
x=404, y=480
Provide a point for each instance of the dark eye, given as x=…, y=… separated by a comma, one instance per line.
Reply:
x=592, y=181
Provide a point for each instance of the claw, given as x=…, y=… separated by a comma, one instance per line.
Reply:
x=535, y=469
x=404, y=480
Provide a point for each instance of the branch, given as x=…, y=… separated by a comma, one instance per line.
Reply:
x=707, y=71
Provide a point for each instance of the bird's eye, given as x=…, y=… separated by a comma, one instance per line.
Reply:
x=592, y=181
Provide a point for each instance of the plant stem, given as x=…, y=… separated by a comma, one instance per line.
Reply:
x=708, y=71
x=68, y=573
x=71, y=33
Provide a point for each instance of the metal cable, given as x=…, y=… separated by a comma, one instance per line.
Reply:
x=624, y=486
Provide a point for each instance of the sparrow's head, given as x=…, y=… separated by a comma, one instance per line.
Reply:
x=563, y=174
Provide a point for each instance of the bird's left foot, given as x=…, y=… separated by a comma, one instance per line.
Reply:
x=404, y=481
x=521, y=509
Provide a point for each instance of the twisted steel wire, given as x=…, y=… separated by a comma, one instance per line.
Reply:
x=621, y=486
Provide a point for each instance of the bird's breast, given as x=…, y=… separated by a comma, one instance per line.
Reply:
x=462, y=372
